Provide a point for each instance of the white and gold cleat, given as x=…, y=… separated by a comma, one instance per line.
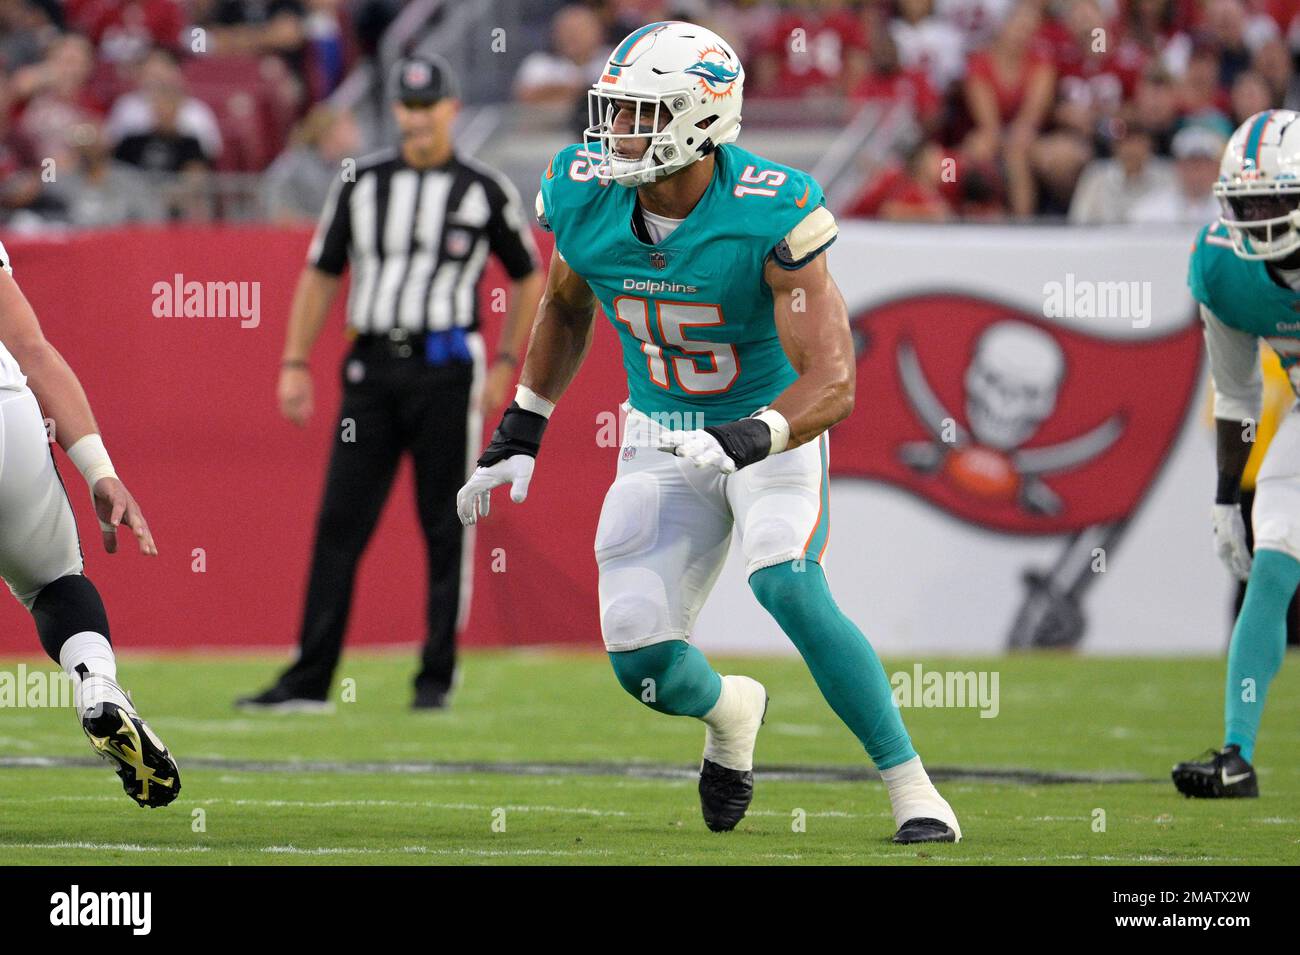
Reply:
x=120, y=736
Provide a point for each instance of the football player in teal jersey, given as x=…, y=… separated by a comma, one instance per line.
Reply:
x=708, y=261
x=1245, y=274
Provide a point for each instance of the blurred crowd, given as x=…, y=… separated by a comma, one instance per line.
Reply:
x=115, y=111
x=1101, y=111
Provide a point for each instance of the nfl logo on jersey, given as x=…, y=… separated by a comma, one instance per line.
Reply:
x=658, y=261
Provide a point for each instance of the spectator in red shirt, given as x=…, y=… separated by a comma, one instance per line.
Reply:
x=62, y=100
x=1149, y=32
x=906, y=192
x=1008, y=92
x=888, y=81
x=929, y=43
x=1009, y=83
x=808, y=52
x=1091, y=84
x=124, y=30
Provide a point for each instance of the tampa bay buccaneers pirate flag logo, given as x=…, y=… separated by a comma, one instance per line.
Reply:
x=1019, y=426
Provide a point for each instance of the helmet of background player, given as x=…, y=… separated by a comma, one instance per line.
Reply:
x=681, y=86
x=1259, y=186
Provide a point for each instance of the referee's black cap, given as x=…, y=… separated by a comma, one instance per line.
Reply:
x=424, y=80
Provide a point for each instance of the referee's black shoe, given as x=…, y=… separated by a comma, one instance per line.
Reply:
x=280, y=700
x=1223, y=775
x=430, y=698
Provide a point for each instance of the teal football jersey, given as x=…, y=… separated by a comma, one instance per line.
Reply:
x=1244, y=296
x=693, y=313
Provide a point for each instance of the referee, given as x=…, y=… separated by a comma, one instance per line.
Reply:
x=416, y=224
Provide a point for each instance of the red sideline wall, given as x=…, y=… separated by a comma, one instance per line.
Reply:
x=188, y=410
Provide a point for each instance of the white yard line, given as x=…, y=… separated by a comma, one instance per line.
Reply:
x=102, y=847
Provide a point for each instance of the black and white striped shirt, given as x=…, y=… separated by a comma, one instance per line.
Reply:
x=418, y=241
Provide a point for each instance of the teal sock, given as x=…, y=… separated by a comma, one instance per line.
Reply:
x=672, y=677
x=1258, y=645
x=846, y=669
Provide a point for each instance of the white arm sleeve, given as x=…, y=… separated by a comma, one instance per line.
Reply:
x=1234, y=363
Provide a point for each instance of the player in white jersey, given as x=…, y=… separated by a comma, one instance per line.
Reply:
x=40, y=554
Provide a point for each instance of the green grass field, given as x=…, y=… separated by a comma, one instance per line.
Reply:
x=546, y=746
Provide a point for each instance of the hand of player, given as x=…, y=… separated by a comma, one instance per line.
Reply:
x=699, y=447
x=1230, y=539
x=473, y=499
x=114, y=505
x=495, y=387
x=295, y=395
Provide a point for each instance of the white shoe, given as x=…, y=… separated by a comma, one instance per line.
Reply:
x=920, y=813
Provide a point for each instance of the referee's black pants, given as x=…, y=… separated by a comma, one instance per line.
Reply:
x=400, y=403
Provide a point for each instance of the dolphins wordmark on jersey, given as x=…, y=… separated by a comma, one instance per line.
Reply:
x=693, y=313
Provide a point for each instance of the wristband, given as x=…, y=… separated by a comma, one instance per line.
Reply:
x=530, y=400
x=294, y=363
x=90, y=457
x=520, y=432
x=780, y=429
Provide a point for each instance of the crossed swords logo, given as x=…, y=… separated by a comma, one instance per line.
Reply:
x=1051, y=614
x=1030, y=465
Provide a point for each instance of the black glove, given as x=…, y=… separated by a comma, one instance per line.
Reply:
x=745, y=441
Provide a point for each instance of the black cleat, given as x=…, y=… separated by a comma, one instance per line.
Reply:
x=725, y=795
x=147, y=770
x=430, y=698
x=279, y=700
x=1223, y=775
x=924, y=830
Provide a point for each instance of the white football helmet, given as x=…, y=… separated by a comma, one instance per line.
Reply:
x=683, y=84
x=1259, y=186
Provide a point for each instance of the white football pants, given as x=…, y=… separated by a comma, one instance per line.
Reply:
x=666, y=526
x=38, y=534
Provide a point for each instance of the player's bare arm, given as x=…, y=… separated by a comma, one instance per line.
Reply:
x=560, y=339
x=561, y=333
x=812, y=321
x=311, y=303
x=64, y=401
